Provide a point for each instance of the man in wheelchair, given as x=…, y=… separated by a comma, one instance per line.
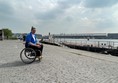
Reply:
x=31, y=42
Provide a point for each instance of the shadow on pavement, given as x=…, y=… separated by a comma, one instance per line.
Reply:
x=12, y=64
x=16, y=64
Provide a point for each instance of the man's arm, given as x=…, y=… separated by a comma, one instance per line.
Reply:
x=28, y=40
x=37, y=42
x=30, y=43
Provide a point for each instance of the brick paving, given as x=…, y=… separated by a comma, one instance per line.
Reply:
x=59, y=65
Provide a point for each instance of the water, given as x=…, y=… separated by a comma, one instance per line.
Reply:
x=107, y=43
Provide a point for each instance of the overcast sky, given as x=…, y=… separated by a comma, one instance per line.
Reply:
x=60, y=16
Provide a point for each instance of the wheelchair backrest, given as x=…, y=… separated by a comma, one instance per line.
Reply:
x=26, y=45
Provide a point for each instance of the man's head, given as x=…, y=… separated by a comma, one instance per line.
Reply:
x=33, y=30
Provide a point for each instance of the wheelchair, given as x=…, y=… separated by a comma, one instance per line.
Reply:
x=29, y=55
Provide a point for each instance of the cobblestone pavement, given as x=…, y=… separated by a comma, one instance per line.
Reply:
x=59, y=65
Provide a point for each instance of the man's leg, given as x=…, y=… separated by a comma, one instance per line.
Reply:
x=41, y=48
x=36, y=48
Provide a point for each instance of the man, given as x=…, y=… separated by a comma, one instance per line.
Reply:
x=31, y=42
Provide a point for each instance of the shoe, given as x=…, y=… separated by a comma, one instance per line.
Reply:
x=40, y=57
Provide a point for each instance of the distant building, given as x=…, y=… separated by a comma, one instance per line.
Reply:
x=1, y=35
x=84, y=36
x=38, y=36
x=113, y=36
x=20, y=35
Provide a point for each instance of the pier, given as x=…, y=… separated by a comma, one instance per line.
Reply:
x=92, y=45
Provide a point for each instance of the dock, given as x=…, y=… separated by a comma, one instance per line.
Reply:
x=59, y=65
x=103, y=50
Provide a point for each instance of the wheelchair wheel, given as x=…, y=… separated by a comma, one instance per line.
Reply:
x=28, y=55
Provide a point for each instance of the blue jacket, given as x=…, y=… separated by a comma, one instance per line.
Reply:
x=29, y=38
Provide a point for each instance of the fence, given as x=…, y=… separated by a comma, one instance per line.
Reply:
x=101, y=43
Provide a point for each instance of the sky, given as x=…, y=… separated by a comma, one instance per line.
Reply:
x=60, y=16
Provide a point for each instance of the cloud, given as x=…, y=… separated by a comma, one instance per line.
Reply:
x=99, y=3
x=58, y=10
x=59, y=16
x=6, y=10
x=68, y=3
x=50, y=15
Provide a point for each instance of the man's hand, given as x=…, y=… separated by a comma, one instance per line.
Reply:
x=38, y=46
x=38, y=43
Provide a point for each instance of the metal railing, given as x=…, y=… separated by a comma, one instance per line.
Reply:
x=92, y=43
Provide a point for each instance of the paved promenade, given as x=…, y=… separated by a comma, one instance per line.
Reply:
x=59, y=65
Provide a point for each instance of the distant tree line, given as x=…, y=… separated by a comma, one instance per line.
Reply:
x=7, y=33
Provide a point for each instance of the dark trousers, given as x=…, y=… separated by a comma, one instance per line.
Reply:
x=36, y=48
